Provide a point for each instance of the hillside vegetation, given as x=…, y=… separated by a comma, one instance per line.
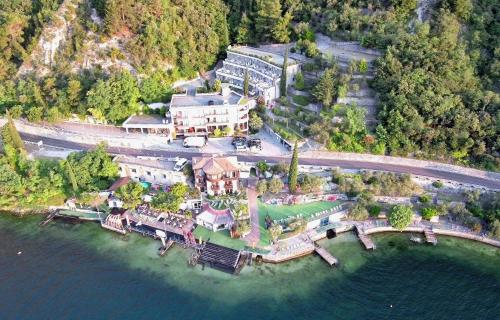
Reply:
x=437, y=81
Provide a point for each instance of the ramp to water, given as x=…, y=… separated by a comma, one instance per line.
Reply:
x=430, y=237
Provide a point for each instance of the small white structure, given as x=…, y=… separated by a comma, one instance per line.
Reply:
x=153, y=170
x=325, y=218
x=215, y=220
x=114, y=202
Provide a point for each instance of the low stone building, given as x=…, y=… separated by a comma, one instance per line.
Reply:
x=152, y=170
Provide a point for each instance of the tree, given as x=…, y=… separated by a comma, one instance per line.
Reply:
x=310, y=183
x=171, y=201
x=299, y=81
x=130, y=194
x=363, y=66
x=11, y=136
x=275, y=230
x=294, y=170
x=94, y=169
x=354, y=123
x=261, y=187
x=255, y=122
x=275, y=185
x=243, y=33
x=281, y=30
x=114, y=99
x=217, y=86
x=325, y=88
x=284, y=73
x=267, y=15
x=34, y=114
x=71, y=177
x=246, y=83
x=400, y=216
x=358, y=212
x=262, y=166
x=429, y=212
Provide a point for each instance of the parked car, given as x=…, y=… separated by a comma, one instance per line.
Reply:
x=255, y=144
x=179, y=165
x=240, y=140
x=194, y=142
x=241, y=147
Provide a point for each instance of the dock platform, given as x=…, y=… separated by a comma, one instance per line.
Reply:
x=430, y=237
x=365, y=240
x=331, y=260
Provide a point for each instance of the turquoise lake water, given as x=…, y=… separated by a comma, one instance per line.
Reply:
x=84, y=272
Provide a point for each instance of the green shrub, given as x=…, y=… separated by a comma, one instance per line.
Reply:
x=437, y=184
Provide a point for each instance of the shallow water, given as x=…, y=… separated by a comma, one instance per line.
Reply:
x=82, y=271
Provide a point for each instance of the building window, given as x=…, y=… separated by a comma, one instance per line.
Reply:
x=164, y=176
x=134, y=170
x=148, y=173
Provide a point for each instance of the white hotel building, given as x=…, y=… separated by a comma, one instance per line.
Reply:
x=264, y=70
x=202, y=113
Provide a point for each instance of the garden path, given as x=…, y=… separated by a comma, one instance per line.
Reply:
x=254, y=236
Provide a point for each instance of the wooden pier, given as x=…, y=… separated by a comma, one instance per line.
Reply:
x=48, y=218
x=430, y=237
x=331, y=260
x=165, y=248
x=365, y=240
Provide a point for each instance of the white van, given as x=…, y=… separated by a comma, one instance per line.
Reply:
x=179, y=165
x=194, y=142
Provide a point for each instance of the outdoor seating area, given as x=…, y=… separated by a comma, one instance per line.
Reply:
x=147, y=215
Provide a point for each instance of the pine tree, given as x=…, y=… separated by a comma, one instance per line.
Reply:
x=267, y=15
x=293, y=171
x=243, y=33
x=284, y=75
x=246, y=83
x=71, y=177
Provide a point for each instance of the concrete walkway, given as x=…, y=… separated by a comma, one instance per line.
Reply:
x=254, y=236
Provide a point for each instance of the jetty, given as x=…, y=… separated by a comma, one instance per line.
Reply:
x=222, y=258
x=430, y=237
x=79, y=214
x=365, y=240
x=330, y=259
x=165, y=248
x=48, y=218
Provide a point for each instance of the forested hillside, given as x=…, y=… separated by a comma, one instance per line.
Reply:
x=437, y=81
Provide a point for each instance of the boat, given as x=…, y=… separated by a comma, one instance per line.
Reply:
x=416, y=239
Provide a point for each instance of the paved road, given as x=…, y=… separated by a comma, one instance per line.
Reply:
x=346, y=164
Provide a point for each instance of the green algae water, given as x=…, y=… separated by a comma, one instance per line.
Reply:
x=84, y=272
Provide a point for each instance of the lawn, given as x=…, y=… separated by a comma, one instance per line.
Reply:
x=307, y=209
x=221, y=238
x=279, y=212
x=301, y=100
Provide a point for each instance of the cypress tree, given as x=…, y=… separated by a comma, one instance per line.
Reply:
x=246, y=83
x=293, y=171
x=71, y=177
x=283, y=75
x=14, y=137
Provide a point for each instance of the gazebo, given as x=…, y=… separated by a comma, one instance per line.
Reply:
x=215, y=220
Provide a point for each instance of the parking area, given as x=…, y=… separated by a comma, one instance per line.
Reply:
x=270, y=146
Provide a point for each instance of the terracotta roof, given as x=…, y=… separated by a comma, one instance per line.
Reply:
x=215, y=165
x=118, y=183
x=215, y=216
